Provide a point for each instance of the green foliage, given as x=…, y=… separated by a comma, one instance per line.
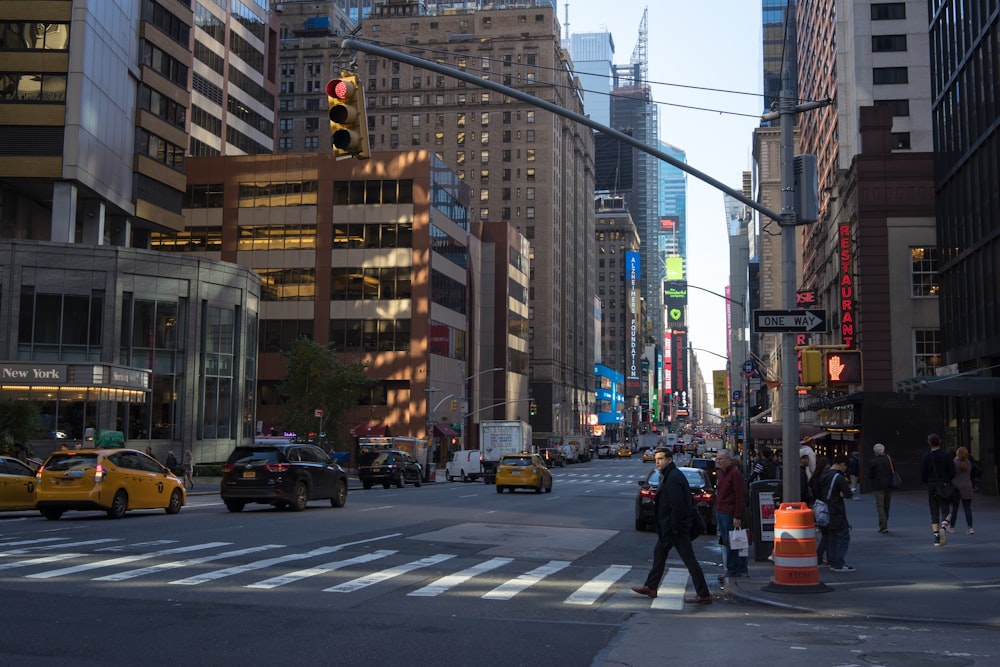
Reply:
x=318, y=380
x=18, y=422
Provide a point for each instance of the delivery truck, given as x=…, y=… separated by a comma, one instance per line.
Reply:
x=498, y=437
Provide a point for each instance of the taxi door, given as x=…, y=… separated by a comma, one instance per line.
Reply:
x=17, y=485
x=129, y=475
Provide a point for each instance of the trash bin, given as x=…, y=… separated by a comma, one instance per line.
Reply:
x=765, y=497
x=431, y=473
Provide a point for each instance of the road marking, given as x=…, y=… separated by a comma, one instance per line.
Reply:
x=514, y=586
x=132, y=574
x=122, y=559
x=61, y=545
x=670, y=594
x=261, y=564
x=384, y=575
x=274, y=582
x=445, y=583
x=41, y=560
x=598, y=586
x=21, y=542
x=380, y=507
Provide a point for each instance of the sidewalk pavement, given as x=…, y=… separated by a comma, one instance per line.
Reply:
x=902, y=575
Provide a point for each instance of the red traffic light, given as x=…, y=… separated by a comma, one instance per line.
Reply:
x=340, y=89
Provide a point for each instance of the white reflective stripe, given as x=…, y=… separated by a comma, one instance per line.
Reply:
x=799, y=561
x=795, y=533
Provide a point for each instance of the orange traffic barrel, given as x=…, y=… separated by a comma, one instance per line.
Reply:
x=795, y=566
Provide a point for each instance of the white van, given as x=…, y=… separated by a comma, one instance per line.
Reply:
x=465, y=465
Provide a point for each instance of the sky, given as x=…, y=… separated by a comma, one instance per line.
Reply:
x=712, y=44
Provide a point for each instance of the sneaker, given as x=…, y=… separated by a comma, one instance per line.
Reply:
x=937, y=539
x=843, y=568
x=943, y=534
x=884, y=531
x=970, y=532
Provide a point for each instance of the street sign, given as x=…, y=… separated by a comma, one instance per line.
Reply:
x=749, y=366
x=790, y=321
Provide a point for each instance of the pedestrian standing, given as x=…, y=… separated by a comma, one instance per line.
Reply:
x=805, y=474
x=675, y=516
x=765, y=467
x=937, y=466
x=730, y=504
x=822, y=545
x=963, y=482
x=171, y=462
x=837, y=491
x=880, y=472
x=187, y=465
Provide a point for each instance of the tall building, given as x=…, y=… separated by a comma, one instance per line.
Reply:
x=963, y=47
x=773, y=14
x=593, y=55
x=524, y=166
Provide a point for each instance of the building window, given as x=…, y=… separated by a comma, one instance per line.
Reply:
x=926, y=351
x=529, y=174
x=311, y=143
x=285, y=143
x=889, y=75
x=312, y=124
x=484, y=157
x=924, y=271
x=887, y=43
x=900, y=141
x=530, y=117
x=529, y=136
x=899, y=107
x=888, y=11
x=529, y=212
x=484, y=138
x=529, y=193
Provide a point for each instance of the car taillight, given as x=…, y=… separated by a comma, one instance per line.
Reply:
x=99, y=473
x=276, y=467
x=703, y=497
x=227, y=467
x=648, y=493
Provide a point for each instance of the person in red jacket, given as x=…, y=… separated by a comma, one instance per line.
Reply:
x=730, y=508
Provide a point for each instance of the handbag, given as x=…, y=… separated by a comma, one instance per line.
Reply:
x=944, y=490
x=697, y=526
x=821, y=508
x=739, y=539
x=895, y=481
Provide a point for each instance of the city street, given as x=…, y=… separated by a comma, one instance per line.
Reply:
x=447, y=573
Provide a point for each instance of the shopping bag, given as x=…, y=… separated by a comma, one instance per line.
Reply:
x=739, y=539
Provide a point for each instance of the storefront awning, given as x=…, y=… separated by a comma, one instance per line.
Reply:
x=367, y=430
x=445, y=430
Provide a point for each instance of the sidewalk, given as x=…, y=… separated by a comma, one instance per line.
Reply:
x=902, y=575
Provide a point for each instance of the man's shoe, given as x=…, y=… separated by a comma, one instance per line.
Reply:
x=970, y=532
x=884, y=531
x=645, y=590
x=699, y=599
x=843, y=568
x=943, y=534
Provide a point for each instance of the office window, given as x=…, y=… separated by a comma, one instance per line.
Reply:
x=285, y=143
x=530, y=117
x=530, y=193
x=889, y=75
x=886, y=11
x=484, y=138
x=899, y=107
x=887, y=43
x=484, y=157
x=926, y=351
x=924, y=271
x=900, y=141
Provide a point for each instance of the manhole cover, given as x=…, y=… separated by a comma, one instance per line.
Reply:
x=914, y=659
x=812, y=638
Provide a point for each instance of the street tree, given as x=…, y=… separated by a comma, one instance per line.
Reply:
x=18, y=422
x=317, y=380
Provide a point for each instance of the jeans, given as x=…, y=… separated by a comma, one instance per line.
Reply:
x=883, y=499
x=840, y=539
x=735, y=564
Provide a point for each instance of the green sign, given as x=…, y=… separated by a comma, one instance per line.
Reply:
x=109, y=439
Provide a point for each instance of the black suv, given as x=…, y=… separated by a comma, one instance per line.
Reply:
x=388, y=467
x=283, y=474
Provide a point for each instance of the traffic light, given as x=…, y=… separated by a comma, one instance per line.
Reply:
x=533, y=408
x=842, y=367
x=812, y=367
x=454, y=404
x=348, y=120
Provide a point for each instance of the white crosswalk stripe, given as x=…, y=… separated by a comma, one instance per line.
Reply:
x=384, y=575
x=506, y=578
x=514, y=586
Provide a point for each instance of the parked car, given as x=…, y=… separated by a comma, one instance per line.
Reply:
x=523, y=471
x=110, y=480
x=17, y=484
x=605, y=452
x=702, y=493
x=388, y=467
x=465, y=464
x=706, y=464
x=284, y=474
x=552, y=457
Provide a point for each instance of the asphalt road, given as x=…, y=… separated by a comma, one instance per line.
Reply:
x=448, y=573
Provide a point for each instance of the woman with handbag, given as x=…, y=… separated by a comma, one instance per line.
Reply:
x=936, y=472
x=962, y=481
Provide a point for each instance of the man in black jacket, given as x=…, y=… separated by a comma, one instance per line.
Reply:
x=838, y=489
x=937, y=466
x=674, y=519
x=880, y=472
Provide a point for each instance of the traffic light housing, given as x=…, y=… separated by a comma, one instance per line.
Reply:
x=454, y=404
x=812, y=367
x=348, y=120
x=533, y=408
x=842, y=367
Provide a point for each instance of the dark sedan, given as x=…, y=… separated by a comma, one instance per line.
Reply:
x=282, y=474
x=702, y=492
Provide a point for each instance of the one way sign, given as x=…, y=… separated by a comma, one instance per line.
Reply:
x=790, y=321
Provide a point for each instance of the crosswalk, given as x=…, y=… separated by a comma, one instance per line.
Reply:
x=383, y=561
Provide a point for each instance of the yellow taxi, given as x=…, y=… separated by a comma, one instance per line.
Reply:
x=523, y=471
x=109, y=480
x=17, y=484
x=648, y=455
x=624, y=452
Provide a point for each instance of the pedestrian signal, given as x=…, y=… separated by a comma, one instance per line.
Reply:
x=843, y=367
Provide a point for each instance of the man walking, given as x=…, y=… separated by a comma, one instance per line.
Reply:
x=730, y=501
x=840, y=529
x=674, y=520
x=880, y=474
x=937, y=466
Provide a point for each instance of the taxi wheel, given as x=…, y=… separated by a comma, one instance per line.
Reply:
x=51, y=514
x=339, y=499
x=176, y=500
x=538, y=489
x=118, y=505
x=300, y=498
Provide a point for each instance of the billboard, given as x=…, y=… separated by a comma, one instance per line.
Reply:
x=633, y=355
